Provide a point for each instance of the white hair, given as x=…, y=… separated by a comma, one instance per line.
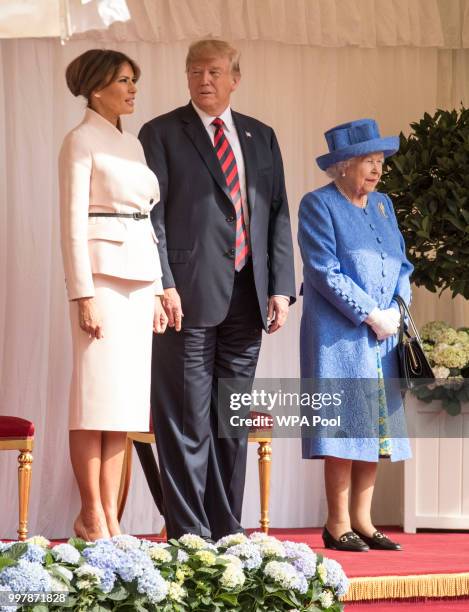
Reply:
x=338, y=169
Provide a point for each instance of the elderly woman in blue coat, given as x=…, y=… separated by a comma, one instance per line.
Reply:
x=354, y=266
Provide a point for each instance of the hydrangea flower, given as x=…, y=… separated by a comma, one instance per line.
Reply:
x=231, y=559
x=286, y=576
x=192, y=541
x=450, y=356
x=248, y=553
x=26, y=577
x=153, y=585
x=183, y=572
x=233, y=577
x=176, y=592
x=34, y=553
x=66, y=553
x=271, y=548
x=125, y=542
x=39, y=541
x=326, y=599
x=335, y=576
x=159, y=554
x=232, y=540
x=182, y=556
x=104, y=555
x=6, y=608
x=440, y=372
x=206, y=557
x=88, y=576
x=431, y=330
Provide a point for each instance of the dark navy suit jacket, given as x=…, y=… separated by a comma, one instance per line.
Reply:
x=195, y=220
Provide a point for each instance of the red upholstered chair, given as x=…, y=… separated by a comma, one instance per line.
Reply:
x=18, y=434
x=261, y=434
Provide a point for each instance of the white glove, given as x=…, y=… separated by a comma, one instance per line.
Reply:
x=384, y=323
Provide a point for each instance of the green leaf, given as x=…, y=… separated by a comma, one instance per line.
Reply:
x=78, y=543
x=16, y=551
x=119, y=593
x=6, y=562
x=452, y=406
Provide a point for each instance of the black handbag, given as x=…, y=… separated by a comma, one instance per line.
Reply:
x=414, y=367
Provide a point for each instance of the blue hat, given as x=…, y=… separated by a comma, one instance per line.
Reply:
x=354, y=139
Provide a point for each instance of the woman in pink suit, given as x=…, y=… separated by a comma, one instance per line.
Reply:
x=113, y=279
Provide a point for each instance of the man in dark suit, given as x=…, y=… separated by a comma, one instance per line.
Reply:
x=226, y=251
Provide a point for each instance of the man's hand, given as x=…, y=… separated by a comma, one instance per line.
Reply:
x=160, y=318
x=277, y=313
x=172, y=307
x=89, y=318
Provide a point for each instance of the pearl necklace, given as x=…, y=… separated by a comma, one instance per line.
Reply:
x=342, y=192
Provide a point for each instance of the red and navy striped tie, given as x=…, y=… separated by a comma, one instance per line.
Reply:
x=230, y=170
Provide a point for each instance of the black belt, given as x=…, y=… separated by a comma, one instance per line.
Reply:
x=137, y=216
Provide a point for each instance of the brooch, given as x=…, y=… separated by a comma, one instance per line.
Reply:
x=382, y=210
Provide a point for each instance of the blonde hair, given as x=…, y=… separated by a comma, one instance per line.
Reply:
x=210, y=47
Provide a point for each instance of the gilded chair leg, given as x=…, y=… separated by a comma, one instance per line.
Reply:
x=125, y=478
x=265, y=461
x=25, y=461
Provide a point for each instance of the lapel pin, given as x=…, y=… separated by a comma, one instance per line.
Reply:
x=248, y=134
x=382, y=210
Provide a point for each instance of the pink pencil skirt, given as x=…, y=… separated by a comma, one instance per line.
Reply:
x=110, y=388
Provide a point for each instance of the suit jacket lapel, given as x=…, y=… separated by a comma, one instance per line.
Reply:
x=196, y=131
x=248, y=147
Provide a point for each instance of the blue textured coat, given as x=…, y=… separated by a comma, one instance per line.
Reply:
x=353, y=261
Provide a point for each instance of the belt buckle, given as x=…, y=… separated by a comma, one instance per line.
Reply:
x=138, y=216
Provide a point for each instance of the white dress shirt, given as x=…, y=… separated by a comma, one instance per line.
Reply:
x=232, y=136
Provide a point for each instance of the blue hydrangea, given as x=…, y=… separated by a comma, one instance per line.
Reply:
x=302, y=558
x=4, y=546
x=153, y=585
x=248, y=553
x=107, y=581
x=26, y=577
x=66, y=553
x=125, y=542
x=34, y=553
x=336, y=577
x=6, y=608
x=133, y=564
x=104, y=555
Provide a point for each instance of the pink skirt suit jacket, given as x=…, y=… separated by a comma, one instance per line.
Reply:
x=115, y=260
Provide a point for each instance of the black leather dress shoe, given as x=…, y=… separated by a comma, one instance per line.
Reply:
x=348, y=542
x=379, y=541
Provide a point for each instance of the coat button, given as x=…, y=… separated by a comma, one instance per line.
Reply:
x=379, y=239
x=231, y=253
x=372, y=226
x=151, y=201
x=365, y=211
x=383, y=273
x=383, y=255
x=230, y=219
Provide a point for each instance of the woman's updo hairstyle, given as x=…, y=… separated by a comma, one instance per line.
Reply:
x=95, y=69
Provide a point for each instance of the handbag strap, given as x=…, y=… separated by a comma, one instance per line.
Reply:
x=404, y=310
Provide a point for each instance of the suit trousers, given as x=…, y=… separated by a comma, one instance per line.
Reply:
x=203, y=475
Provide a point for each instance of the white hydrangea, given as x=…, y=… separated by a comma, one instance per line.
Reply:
x=207, y=557
x=233, y=577
x=159, y=554
x=259, y=536
x=176, y=592
x=66, y=553
x=231, y=559
x=322, y=572
x=193, y=541
x=39, y=541
x=232, y=540
x=326, y=599
x=182, y=556
x=285, y=575
x=271, y=548
x=441, y=372
x=89, y=576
